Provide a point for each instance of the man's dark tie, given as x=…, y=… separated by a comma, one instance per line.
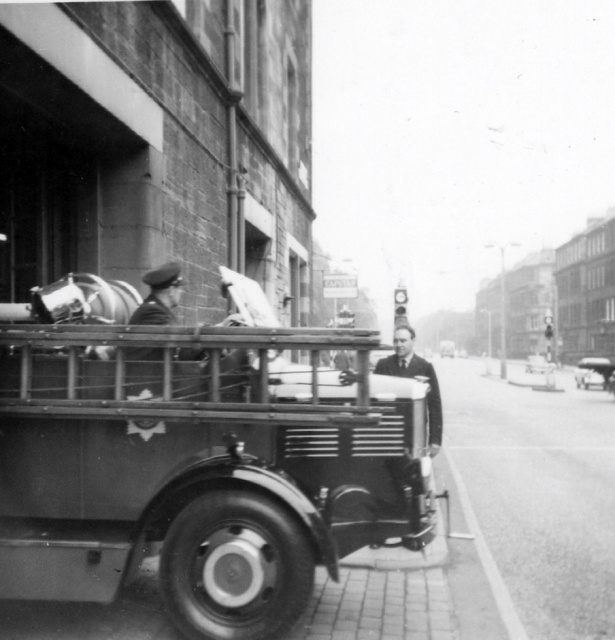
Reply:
x=402, y=364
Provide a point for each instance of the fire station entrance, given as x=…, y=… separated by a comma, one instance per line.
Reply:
x=41, y=183
x=65, y=163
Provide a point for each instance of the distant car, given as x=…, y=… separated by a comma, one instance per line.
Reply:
x=463, y=353
x=537, y=364
x=447, y=349
x=588, y=373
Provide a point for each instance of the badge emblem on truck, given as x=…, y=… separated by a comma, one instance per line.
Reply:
x=145, y=428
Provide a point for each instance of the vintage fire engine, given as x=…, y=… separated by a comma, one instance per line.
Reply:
x=244, y=469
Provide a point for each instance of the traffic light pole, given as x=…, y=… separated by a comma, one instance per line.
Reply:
x=503, y=371
x=502, y=248
x=549, y=335
x=550, y=376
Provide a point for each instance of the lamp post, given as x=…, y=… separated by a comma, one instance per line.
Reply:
x=488, y=339
x=502, y=248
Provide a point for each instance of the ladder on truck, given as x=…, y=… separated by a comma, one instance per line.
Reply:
x=69, y=343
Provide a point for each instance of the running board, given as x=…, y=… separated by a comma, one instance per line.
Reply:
x=38, y=564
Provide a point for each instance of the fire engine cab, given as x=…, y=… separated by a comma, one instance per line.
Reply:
x=244, y=469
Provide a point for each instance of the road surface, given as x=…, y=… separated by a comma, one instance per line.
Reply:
x=539, y=468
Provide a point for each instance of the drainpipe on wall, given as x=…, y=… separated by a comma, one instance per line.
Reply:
x=241, y=224
x=229, y=36
x=231, y=193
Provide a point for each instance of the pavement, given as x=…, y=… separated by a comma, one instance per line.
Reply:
x=384, y=594
x=517, y=376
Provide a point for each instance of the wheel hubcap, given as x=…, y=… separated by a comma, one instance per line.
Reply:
x=236, y=571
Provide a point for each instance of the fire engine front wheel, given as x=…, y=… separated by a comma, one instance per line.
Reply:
x=235, y=566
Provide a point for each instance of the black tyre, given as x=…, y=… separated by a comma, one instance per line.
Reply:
x=235, y=566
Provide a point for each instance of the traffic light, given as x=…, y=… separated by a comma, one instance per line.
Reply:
x=401, y=306
x=549, y=327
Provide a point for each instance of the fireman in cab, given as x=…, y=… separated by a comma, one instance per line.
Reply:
x=166, y=288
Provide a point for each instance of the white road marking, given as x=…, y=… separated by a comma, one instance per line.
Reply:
x=517, y=448
x=511, y=620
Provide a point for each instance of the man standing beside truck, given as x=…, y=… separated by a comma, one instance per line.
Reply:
x=404, y=363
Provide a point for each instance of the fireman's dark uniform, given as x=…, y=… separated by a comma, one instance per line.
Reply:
x=152, y=310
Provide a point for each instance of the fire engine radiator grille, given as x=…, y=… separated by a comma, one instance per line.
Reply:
x=383, y=442
x=311, y=443
x=386, y=440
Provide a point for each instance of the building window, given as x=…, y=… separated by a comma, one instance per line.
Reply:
x=291, y=117
x=596, y=244
x=254, y=58
x=298, y=292
x=257, y=252
x=298, y=284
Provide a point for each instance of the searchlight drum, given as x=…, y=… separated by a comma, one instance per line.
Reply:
x=59, y=302
x=110, y=301
x=85, y=298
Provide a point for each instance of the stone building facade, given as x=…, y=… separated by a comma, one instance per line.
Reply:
x=139, y=132
x=529, y=298
x=585, y=279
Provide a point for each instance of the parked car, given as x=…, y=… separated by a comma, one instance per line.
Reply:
x=447, y=349
x=589, y=373
x=537, y=364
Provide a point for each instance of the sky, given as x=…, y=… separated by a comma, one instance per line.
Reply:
x=441, y=126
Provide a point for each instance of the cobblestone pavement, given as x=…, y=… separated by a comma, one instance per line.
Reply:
x=385, y=594
x=379, y=605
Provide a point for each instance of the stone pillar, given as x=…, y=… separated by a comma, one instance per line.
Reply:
x=131, y=216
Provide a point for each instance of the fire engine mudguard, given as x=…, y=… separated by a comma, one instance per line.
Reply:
x=247, y=474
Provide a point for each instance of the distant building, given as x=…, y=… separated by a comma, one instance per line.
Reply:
x=585, y=279
x=139, y=132
x=530, y=290
x=528, y=300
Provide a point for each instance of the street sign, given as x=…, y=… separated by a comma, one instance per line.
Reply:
x=336, y=285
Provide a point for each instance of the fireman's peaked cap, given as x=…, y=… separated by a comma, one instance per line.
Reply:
x=167, y=275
